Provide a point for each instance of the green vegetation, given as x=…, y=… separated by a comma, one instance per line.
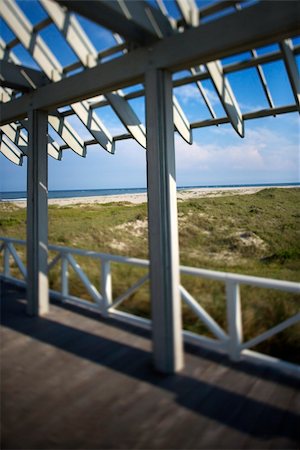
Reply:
x=256, y=234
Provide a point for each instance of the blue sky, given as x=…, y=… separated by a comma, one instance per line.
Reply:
x=269, y=153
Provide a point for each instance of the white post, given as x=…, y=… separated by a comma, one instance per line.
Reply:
x=37, y=214
x=234, y=320
x=163, y=226
x=106, y=286
x=64, y=277
x=6, y=260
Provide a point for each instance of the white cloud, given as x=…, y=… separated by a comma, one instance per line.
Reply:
x=263, y=152
x=190, y=92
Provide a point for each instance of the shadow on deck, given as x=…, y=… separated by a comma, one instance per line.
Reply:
x=71, y=380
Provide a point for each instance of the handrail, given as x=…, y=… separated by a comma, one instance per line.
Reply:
x=229, y=341
x=82, y=252
x=249, y=280
x=289, y=286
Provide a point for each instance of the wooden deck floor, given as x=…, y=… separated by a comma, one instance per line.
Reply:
x=73, y=381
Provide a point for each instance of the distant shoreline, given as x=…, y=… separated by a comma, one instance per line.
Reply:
x=136, y=198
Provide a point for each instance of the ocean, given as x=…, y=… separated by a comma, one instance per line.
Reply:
x=21, y=195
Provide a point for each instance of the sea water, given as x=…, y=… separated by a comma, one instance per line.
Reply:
x=21, y=195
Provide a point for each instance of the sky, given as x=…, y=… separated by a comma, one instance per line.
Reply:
x=269, y=152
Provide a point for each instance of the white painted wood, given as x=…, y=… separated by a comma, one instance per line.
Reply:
x=189, y=11
x=163, y=226
x=272, y=331
x=14, y=281
x=203, y=315
x=20, y=140
x=226, y=96
x=146, y=23
x=64, y=277
x=91, y=254
x=76, y=301
x=20, y=77
x=22, y=28
x=68, y=134
x=195, y=71
x=11, y=152
x=289, y=286
x=203, y=341
x=54, y=261
x=181, y=122
x=261, y=75
x=69, y=26
x=130, y=319
x=86, y=52
x=37, y=214
x=130, y=291
x=91, y=289
x=234, y=320
x=291, y=68
x=127, y=116
x=4, y=95
x=54, y=149
x=6, y=256
x=259, y=25
x=279, y=364
x=17, y=259
x=18, y=137
x=106, y=285
x=92, y=122
x=61, y=126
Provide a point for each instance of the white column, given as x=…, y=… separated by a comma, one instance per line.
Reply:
x=163, y=227
x=37, y=214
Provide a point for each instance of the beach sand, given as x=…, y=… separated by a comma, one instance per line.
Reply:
x=142, y=198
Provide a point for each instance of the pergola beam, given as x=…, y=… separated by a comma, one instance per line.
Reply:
x=15, y=134
x=247, y=116
x=226, y=96
x=135, y=21
x=263, y=81
x=261, y=24
x=82, y=46
x=23, y=29
x=291, y=68
x=8, y=149
x=20, y=77
x=189, y=12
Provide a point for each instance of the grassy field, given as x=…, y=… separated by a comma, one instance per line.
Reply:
x=255, y=234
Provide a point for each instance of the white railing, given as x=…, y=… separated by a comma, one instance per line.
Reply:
x=229, y=341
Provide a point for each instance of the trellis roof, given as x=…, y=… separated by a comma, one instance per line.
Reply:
x=75, y=58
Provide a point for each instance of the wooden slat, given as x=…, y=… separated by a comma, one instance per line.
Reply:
x=86, y=378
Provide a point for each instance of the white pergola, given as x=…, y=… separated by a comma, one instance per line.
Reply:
x=150, y=47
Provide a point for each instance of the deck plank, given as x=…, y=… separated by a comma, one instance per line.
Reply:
x=74, y=381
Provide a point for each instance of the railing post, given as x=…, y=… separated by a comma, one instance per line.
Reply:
x=64, y=277
x=106, y=286
x=234, y=319
x=6, y=260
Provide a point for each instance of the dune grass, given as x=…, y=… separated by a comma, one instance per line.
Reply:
x=256, y=234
